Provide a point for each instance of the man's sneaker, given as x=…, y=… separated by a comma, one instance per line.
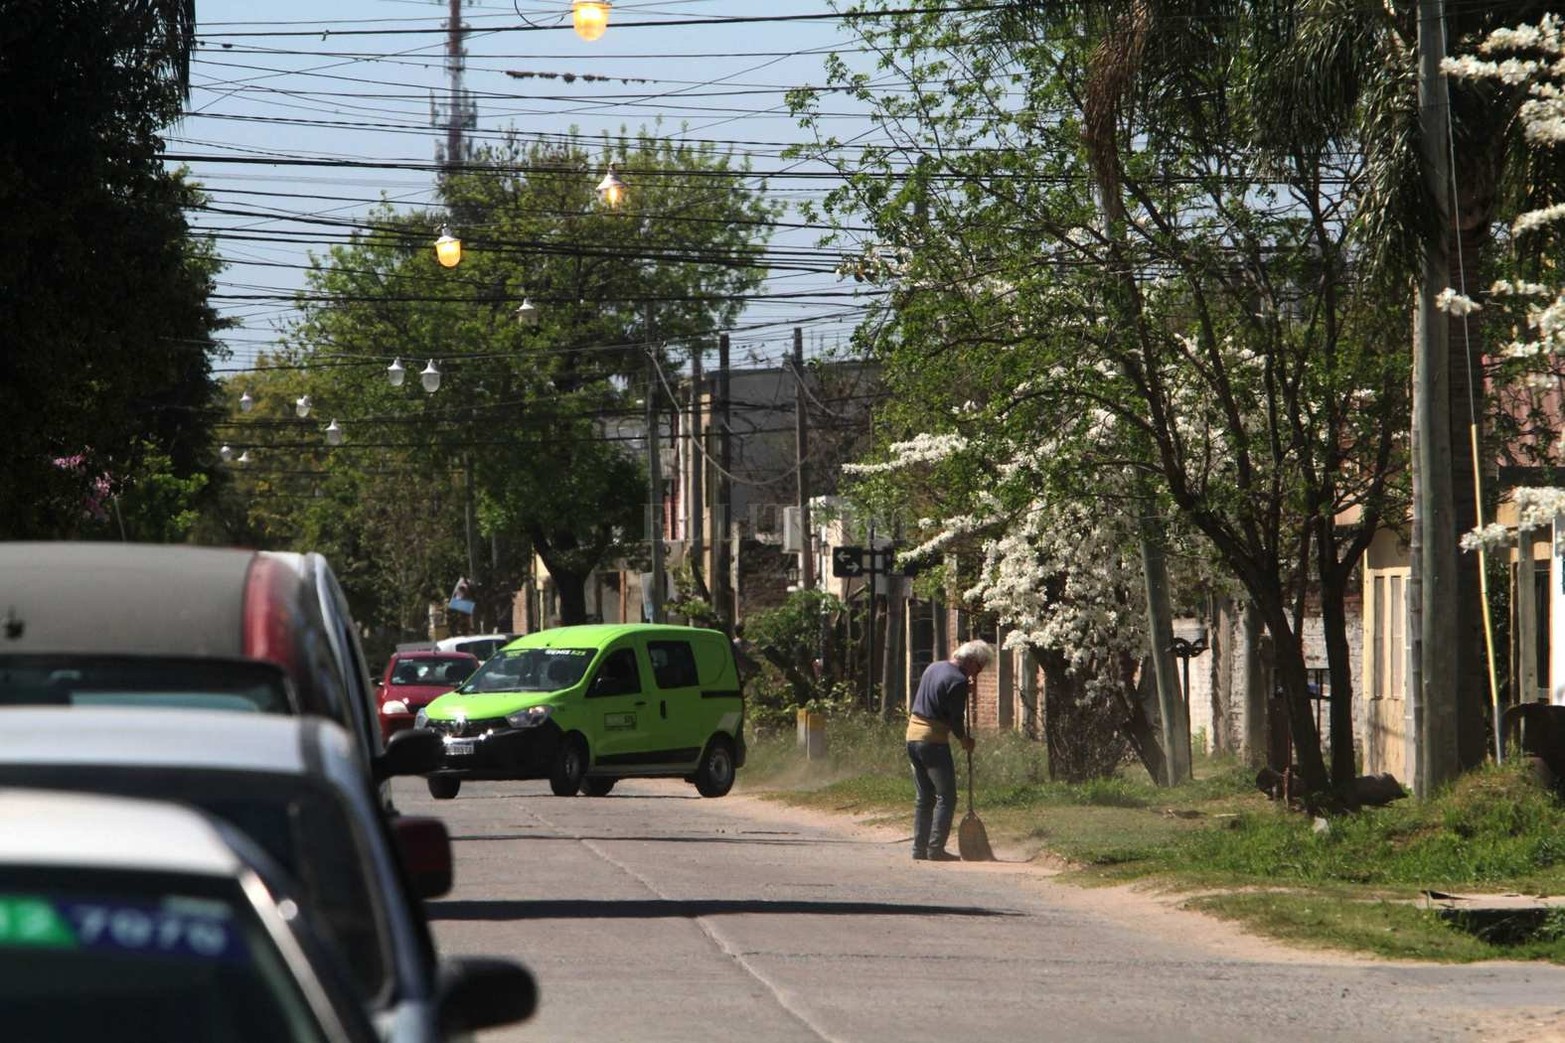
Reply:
x=942, y=856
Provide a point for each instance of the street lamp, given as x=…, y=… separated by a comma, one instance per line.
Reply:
x=244, y=457
x=333, y=433
x=302, y=406
x=227, y=453
x=448, y=249
x=590, y=18
x=1186, y=649
x=246, y=402
x=611, y=190
x=527, y=313
x=430, y=377
x=396, y=373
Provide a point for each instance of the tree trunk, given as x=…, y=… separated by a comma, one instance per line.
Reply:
x=1467, y=403
x=1222, y=673
x=1334, y=621
x=1295, y=685
x=1255, y=685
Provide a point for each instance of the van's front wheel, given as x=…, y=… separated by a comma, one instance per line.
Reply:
x=570, y=766
x=715, y=776
x=596, y=787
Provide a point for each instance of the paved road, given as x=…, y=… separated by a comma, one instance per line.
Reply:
x=654, y=915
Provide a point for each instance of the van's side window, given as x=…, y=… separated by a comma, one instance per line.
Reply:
x=673, y=664
x=618, y=675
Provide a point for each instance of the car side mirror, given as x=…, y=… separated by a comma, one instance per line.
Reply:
x=425, y=847
x=413, y=751
x=479, y=992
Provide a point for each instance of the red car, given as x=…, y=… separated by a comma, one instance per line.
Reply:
x=413, y=680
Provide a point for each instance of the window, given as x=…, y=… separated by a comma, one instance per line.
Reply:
x=618, y=674
x=673, y=664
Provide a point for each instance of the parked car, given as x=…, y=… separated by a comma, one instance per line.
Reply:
x=115, y=623
x=295, y=786
x=413, y=679
x=585, y=706
x=480, y=645
x=129, y=921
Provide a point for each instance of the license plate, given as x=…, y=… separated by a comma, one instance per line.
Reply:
x=459, y=749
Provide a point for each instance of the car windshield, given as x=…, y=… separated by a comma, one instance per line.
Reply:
x=141, y=964
x=77, y=680
x=531, y=670
x=444, y=670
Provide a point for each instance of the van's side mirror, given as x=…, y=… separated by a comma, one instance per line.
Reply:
x=413, y=751
x=425, y=847
x=479, y=992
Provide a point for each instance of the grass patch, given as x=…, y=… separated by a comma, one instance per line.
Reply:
x=1348, y=883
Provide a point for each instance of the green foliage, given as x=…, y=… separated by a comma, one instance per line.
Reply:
x=105, y=327
x=535, y=426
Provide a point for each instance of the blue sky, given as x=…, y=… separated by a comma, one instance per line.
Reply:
x=359, y=86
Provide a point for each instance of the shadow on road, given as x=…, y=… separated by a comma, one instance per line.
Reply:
x=668, y=908
x=720, y=838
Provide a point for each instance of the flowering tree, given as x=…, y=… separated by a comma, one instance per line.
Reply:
x=1131, y=311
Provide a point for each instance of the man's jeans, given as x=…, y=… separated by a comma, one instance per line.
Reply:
x=934, y=783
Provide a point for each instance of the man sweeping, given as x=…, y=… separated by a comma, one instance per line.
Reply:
x=939, y=712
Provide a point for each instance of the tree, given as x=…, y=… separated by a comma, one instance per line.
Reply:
x=107, y=328
x=1093, y=272
x=539, y=419
x=1344, y=74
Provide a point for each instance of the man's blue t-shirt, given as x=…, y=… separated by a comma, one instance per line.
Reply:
x=942, y=696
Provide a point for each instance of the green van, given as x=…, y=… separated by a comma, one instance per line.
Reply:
x=585, y=706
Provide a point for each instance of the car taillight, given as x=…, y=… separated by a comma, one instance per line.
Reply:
x=268, y=626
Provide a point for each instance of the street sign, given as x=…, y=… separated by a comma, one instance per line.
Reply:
x=847, y=561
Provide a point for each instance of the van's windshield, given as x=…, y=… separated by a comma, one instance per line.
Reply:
x=530, y=670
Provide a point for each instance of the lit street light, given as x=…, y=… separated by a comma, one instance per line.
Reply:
x=448, y=249
x=611, y=190
x=590, y=18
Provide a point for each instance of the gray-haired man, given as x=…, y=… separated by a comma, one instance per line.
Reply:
x=939, y=711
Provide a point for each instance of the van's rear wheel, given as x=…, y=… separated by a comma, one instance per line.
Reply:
x=593, y=787
x=570, y=765
x=715, y=776
x=444, y=787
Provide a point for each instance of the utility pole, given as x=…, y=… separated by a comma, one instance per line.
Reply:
x=654, y=475
x=1432, y=585
x=869, y=626
x=460, y=111
x=723, y=528
x=1170, y=701
x=802, y=426
x=697, y=497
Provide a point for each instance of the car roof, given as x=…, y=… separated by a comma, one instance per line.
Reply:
x=72, y=597
x=434, y=653
x=108, y=736
x=44, y=828
x=595, y=634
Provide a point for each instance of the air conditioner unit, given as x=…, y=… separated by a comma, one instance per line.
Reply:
x=793, y=531
x=765, y=519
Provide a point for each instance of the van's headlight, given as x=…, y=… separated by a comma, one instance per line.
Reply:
x=392, y=706
x=421, y=719
x=531, y=717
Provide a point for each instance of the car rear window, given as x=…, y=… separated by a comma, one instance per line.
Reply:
x=211, y=684
x=141, y=963
x=445, y=670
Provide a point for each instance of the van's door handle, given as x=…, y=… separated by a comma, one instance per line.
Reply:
x=663, y=709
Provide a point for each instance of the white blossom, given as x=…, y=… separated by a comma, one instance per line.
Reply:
x=1451, y=302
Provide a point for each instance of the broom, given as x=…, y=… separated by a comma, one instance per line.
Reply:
x=972, y=841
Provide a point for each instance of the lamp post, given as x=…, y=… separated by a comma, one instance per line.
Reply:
x=1185, y=650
